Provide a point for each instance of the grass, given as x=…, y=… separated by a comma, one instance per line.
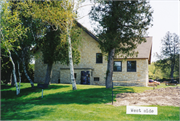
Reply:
x=61, y=103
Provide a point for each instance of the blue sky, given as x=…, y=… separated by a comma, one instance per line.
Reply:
x=166, y=17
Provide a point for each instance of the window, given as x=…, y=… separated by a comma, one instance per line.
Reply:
x=99, y=58
x=96, y=78
x=131, y=66
x=117, y=66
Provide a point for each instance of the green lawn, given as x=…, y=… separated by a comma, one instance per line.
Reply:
x=61, y=103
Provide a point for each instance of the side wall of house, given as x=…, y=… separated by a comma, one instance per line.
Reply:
x=138, y=78
x=88, y=49
x=40, y=68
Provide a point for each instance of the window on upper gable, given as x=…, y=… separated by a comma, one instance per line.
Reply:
x=131, y=66
x=117, y=66
x=99, y=58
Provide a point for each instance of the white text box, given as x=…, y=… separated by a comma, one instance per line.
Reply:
x=141, y=110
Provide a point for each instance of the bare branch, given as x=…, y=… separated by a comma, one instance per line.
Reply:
x=54, y=28
x=82, y=17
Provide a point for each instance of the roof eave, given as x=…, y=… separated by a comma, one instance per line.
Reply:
x=87, y=31
x=150, y=54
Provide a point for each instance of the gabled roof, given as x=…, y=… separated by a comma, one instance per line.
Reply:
x=144, y=50
x=87, y=31
x=34, y=49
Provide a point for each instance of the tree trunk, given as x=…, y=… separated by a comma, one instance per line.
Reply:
x=26, y=74
x=69, y=27
x=73, y=81
x=48, y=73
x=19, y=77
x=14, y=73
x=12, y=79
x=172, y=71
x=109, y=73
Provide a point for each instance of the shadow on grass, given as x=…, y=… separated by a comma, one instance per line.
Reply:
x=14, y=107
x=80, y=96
x=20, y=112
x=5, y=86
x=11, y=94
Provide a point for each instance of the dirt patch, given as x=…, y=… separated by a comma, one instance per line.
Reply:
x=164, y=96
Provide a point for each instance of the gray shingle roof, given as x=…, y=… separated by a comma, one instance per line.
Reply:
x=144, y=49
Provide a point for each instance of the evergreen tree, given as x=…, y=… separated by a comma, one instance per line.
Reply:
x=169, y=56
x=122, y=26
x=55, y=49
